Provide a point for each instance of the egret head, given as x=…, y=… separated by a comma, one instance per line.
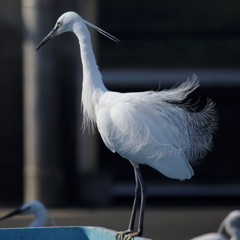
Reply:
x=63, y=24
x=32, y=207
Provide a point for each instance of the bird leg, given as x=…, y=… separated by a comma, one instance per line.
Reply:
x=142, y=207
x=120, y=235
x=128, y=235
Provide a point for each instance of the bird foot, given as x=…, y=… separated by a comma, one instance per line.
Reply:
x=120, y=235
x=126, y=235
x=131, y=235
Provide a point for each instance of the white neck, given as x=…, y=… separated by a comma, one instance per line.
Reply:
x=93, y=87
x=233, y=231
x=39, y=219
x=235, y=235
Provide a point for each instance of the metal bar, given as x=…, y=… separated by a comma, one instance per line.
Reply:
x=147, y=77
x=179, y=190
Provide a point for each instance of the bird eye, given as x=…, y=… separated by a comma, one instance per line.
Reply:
x=59, y=24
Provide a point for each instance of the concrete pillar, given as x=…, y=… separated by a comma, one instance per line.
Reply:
x=42, y=175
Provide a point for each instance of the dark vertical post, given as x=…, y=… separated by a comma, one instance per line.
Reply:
x=42, y=174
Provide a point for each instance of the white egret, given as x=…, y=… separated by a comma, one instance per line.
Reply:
x=32, y=207
x=231, y=224
x=151, y=128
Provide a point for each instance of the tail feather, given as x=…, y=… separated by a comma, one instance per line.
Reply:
x=179, y=93
x=193, y=130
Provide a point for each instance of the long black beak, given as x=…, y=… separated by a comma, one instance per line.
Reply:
x=48, y=37
x=13, y=213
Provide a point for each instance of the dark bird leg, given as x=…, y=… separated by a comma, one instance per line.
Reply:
x=120, y=235
x=140, y=190
x=135, y=203
x=142, y=207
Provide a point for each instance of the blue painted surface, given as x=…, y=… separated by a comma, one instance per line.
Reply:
x=59, y=233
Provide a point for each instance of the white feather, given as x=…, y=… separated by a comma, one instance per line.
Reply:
x=146, y=128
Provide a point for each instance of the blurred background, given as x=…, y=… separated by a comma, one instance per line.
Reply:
x=43, y=153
